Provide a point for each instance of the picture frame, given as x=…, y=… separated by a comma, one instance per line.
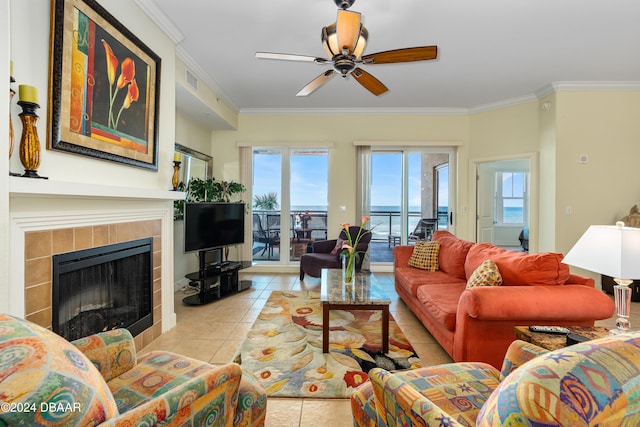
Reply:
x=104, y=87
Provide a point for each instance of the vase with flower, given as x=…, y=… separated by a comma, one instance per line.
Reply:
x=350, y=254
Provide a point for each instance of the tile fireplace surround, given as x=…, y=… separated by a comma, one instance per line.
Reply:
x=48, y=218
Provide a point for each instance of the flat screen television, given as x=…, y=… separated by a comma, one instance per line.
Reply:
x=211, y=225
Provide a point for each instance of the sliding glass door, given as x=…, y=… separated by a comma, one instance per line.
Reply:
x=408, y=194
x=290, y=199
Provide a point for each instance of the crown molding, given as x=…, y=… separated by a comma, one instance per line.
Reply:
x=536, y=96
x=595, y=86
x=503, y=104
x=165, y=24
x=354, y=111
x=161, y=20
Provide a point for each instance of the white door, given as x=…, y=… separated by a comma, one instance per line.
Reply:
x=485, y=188
x=502, y=201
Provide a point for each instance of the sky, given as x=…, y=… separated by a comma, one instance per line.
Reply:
x=309, y=174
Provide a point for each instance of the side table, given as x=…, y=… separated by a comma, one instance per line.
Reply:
x=555, y=341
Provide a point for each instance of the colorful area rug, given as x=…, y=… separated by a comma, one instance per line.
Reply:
x=283, y=349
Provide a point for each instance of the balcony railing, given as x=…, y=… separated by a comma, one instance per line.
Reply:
x=385, y=223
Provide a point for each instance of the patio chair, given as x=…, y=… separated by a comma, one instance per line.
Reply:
x=267, y=238
x=326, y=253
x=424, y=229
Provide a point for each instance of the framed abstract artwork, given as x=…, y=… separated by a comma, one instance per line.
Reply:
x=104, y=88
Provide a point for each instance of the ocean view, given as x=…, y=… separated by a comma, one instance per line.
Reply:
x=385, y=220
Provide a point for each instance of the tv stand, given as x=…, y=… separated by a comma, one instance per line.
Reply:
x=216, y=280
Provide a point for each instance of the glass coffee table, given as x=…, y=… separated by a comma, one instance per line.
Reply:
x=363, y=294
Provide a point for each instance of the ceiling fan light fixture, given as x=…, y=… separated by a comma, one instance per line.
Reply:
x=347, y=36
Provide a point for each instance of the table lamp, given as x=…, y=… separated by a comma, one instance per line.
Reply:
x=612, y=250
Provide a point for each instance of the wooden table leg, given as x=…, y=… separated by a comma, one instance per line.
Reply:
x=325, y=328
x=385, y=329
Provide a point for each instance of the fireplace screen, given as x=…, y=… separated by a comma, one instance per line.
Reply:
x=103, y=288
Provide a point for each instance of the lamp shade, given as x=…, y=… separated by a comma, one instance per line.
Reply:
x=347, y=34
x=612, y=250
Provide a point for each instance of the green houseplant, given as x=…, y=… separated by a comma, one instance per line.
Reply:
x=207, y=190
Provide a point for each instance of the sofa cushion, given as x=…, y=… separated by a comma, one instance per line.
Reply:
x=338, y=247
x=487, y=274
x=452, y=254
x=441, y=300
x=410, y=279
x=38, y=367
x=518, y=268
x=425, y=256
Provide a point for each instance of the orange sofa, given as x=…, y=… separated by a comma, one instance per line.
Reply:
x=476, y=324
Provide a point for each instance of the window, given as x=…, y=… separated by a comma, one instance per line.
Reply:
x=290, y=201
x=404, y=186
x=510, y=197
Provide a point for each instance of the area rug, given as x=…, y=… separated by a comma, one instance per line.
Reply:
x=283, y=349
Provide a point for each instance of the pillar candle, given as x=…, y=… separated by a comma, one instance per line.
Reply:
x=28, y=93
x=177, y=157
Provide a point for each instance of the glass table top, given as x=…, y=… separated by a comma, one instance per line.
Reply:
x=364, y=290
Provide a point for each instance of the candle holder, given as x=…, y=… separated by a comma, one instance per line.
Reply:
x=175, y=180
x=29, y=142
x=11, y=93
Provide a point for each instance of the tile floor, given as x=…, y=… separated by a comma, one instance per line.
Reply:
x=213, y=333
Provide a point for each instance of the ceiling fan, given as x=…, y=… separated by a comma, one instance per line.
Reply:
x=344, y=41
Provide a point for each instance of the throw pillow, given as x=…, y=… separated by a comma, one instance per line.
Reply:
x=487, y=274
x=425, y=255
x=338, y=247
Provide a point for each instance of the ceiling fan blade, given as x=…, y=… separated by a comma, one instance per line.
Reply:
x=369, y=82
x=316, y=83
x=422, y=53
x=291, y=57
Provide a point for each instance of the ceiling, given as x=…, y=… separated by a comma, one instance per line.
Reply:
x=490, y=51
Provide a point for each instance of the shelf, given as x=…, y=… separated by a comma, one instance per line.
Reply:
x=28, y=187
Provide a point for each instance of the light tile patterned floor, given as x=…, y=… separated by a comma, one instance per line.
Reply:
x=214, y=332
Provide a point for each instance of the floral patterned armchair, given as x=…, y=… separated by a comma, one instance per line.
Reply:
x=589, y=384
x=45, y=380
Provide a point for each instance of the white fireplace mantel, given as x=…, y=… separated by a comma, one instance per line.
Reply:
x=73, y=204
x=29, y=187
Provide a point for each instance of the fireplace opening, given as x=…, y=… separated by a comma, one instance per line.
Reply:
x=103, y=288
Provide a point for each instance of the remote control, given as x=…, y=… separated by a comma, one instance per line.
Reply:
x=549, y=329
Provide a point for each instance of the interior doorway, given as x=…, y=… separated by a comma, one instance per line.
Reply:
x=503, y=202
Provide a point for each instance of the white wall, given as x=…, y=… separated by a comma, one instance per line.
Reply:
x=602, y=124
x=24, y=37
x=30, y=53
x=192, y=135
x=341, y=131
x=4, y=166
x=605, y=127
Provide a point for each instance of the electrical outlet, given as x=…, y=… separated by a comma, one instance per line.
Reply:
x=583, y=159
x=568, y=210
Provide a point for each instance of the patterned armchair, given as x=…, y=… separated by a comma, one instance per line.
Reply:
x=45, y=380
x=589, y=384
